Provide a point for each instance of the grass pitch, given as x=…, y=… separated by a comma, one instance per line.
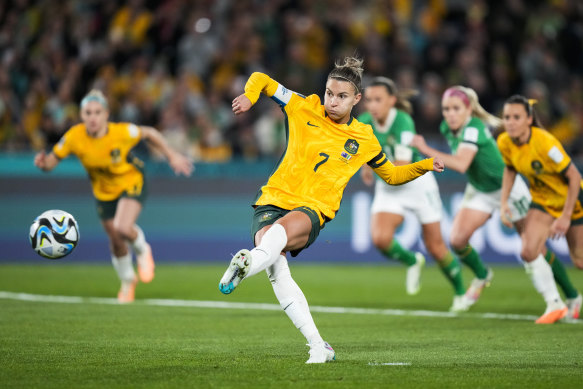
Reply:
x=178, y=335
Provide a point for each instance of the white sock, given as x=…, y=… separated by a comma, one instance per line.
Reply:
x=542, y=277
x=139, y=244
x=124, y=267
x=292, y=299
x=267, y=252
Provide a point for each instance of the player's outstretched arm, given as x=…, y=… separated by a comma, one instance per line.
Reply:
x=398, y=175
x=46, y=162
x=178, y=162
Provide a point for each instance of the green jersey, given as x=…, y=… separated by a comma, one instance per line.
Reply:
x=485, y=171
x=394, y=135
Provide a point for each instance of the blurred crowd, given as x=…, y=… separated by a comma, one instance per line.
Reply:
x=177, y=64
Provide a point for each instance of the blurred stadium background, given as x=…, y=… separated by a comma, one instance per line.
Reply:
x=176, y=65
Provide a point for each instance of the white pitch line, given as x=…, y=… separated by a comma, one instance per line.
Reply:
x=261, y=306
x=389, y=364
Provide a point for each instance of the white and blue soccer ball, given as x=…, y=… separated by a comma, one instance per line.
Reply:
x=54, y=234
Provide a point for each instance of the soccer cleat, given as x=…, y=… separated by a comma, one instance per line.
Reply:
x=146, y=265
x=460, y=304
x=321, y=352
x=414, y=275
x=127, y=291
x=553, y=313
x=574, y=306
x=475, y=290
x=237, y=270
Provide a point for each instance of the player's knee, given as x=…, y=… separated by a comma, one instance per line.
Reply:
x=528, y=253
x=382, y=241
x=458, y=242
x=123, y=231
x=577, y=258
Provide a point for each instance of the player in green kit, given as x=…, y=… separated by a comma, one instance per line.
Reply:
x=388, y=112
x=475, y=153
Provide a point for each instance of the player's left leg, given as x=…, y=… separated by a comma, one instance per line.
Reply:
x=126, y=215
x=448, y=263
x=294, y=303
x=575, y=241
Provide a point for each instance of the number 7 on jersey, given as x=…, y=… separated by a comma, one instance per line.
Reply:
x=326, y=156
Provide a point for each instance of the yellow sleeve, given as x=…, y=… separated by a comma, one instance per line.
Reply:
x=398, y=175
x=63, y=148
x=502, y=142
x=257, y=83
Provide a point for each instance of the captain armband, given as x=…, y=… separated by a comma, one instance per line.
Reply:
x=378, y=161
x=282, y=95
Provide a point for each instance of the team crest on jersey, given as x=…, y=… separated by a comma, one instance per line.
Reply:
x=537, y=166
x=351, y=146
x=115, y=155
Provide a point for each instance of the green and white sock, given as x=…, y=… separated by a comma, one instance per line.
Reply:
x=560, y=275
x=470, y=257
x=397, y=252
x=451, y=268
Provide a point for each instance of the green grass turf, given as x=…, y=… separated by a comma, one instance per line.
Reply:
x=56, y=345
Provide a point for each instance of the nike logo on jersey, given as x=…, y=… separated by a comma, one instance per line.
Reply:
x=313, y=125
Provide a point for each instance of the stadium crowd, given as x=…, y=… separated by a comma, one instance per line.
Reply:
x=177, y=64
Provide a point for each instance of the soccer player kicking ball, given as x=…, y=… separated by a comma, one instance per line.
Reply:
x=326, y=146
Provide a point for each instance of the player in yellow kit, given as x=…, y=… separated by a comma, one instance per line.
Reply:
x=556, y=209
x=326, y=146
x=117, y=179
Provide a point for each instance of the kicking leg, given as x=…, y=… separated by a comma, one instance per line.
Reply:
x=291, y=232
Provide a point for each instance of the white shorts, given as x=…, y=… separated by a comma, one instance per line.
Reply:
x=420, y=196
x=518, y=202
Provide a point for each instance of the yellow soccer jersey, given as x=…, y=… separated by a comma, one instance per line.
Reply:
x=321, y=155
x=542, y=160
x=108, y=161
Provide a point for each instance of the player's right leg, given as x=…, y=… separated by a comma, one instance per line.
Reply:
x=383, y=226
x=465, y=223
x=448, y=263
x=536, y=229
x=128, y=210
x=121, y=259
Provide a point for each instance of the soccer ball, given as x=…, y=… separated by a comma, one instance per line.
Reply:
x=54, y=234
